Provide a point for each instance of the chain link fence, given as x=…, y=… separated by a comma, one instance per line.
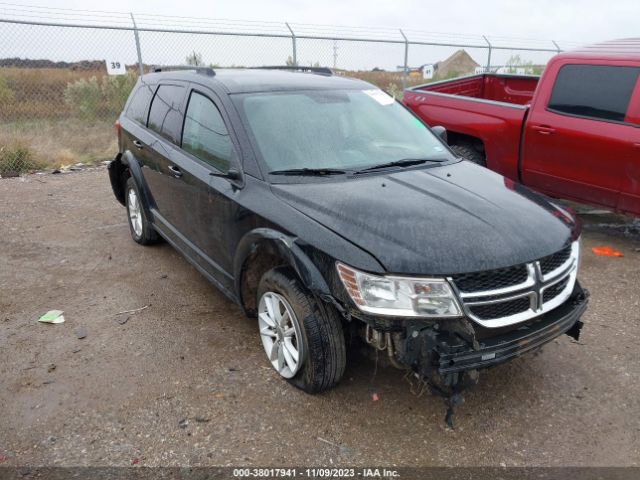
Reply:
x=58, y=103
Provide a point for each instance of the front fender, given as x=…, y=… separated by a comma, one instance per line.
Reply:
x=285, y=247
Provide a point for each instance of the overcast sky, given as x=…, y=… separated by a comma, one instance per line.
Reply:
x=569, y=20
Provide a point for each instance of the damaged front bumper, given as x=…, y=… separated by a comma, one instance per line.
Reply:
x=444, y=355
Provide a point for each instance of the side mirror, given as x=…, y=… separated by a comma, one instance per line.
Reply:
x=232, y=174
x=440, y=131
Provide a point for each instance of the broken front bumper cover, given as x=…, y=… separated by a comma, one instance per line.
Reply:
x=446, y=353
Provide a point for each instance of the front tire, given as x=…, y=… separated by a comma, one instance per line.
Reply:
x=303, y=338
x=142, y=231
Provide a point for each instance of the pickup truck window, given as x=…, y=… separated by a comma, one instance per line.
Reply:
x=139, y=105
x=594, y=91
x=335, y=129
x=205, y=134
x=165, y=117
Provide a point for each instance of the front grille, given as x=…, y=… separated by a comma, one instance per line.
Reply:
x=488, y=297
x=554, y=290
x=491, y=279
x=492, y=311
x=550, y=263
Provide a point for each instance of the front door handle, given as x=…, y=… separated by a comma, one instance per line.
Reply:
x=543, y=129
x=175, y=171
x=139, y=145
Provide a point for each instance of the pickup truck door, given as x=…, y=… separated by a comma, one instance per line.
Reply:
x=630, y=192
x=576, y=143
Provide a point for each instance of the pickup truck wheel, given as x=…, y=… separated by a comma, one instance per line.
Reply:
x=303, y=340
x=141, y=230
x=467, y=152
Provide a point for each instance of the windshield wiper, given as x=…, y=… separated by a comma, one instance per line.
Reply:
x=405, y=162
x=318, y=172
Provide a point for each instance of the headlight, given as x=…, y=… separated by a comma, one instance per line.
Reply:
x=399, y=296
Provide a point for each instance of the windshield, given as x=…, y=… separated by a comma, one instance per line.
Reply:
x=336, y=129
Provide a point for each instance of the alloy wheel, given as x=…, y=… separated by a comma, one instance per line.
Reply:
x=280, y=333
x=135, y=215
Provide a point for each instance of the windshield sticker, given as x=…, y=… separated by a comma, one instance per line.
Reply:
x=379, y=96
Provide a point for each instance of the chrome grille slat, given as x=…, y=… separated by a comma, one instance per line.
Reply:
x=547, y=285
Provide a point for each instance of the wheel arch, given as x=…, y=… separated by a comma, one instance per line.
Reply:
x=118, y=174
x=263, y=249
x=122, y=167
x=457, y=138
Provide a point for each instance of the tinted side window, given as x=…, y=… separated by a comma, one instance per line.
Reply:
x=139, y=105
x=595, y=91
x=165, y=117
x=205, y=134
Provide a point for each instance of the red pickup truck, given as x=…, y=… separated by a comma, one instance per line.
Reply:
x=572, y=133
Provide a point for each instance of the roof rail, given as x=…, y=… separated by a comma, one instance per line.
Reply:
x=168, y=68
x=299, y=68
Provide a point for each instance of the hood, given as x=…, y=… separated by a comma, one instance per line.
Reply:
x=449, y=219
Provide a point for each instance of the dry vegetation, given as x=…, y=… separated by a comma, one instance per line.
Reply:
x=38, y=92
x=43, y=124
x=59, y=142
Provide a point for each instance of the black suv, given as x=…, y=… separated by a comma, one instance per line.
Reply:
x=327, y=210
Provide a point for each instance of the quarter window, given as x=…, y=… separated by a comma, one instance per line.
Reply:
x=165, y=117
x=594, y=91
x=139, y=105
x=205, y=134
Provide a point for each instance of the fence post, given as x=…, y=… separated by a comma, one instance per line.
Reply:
x=135, y=33
x=293, y=41
x=405, y=68
x=488, y=55
x=557, y=46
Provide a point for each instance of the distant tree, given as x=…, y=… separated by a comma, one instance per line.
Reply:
x=194, y=59
x=516, y=62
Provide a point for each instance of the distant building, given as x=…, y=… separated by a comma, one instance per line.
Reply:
x=458, y=64
x=423, y=71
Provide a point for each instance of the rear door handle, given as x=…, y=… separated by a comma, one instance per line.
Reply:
x=175, y=171
x=138, y=144
x=543, y=129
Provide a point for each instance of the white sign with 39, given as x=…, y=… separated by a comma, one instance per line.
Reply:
x=115, y=67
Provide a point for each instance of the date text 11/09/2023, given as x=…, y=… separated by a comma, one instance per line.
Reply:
x=315, y=473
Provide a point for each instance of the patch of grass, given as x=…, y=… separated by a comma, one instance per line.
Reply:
x=54, y=143
x=16, y=159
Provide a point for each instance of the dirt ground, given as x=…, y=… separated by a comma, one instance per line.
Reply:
x=186, y=382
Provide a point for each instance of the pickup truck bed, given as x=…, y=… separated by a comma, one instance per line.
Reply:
x=497, y=88
x=478, y=107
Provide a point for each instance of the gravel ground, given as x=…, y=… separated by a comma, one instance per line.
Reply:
x=185, y=381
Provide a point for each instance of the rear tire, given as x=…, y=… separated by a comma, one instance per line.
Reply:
x=467, y=152
x=141, y=230
x=322, y=341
